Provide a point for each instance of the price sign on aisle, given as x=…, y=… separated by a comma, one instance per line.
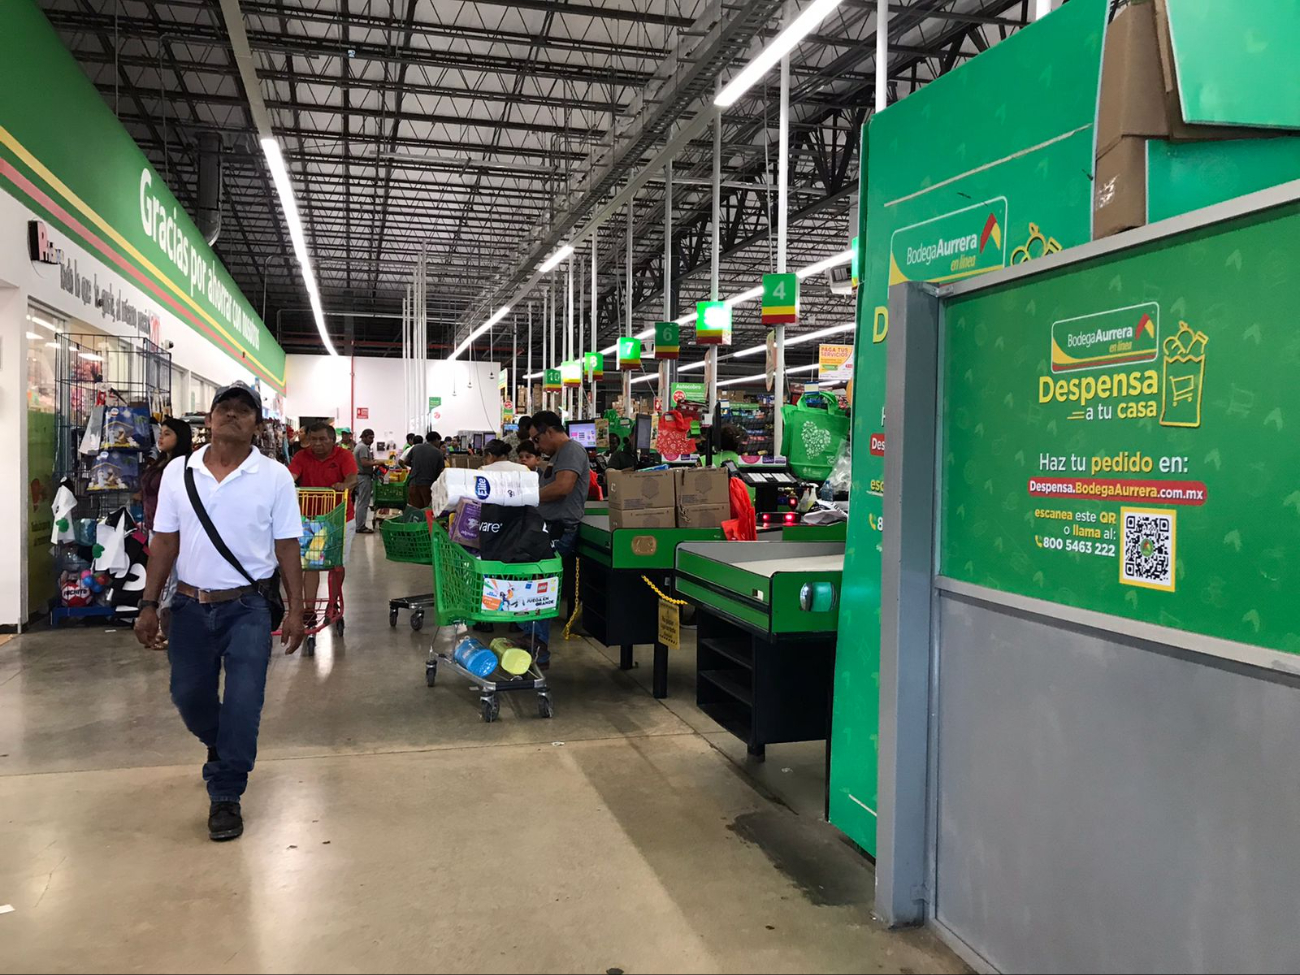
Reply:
x=780, y=299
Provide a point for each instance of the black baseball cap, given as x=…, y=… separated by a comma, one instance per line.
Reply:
x=244, y=392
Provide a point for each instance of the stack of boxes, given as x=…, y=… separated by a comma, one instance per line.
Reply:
x=684, y=498
x=1141, y=112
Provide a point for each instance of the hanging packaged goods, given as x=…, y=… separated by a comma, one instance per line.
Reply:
x=713, y=323
x=629, y=353
x=668, y=340
x=780, y=299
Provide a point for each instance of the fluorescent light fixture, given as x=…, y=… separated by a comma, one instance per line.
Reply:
x=91, y=356
x=844, y=257
x=33, y=336
x=644, y=334
x=284, y=188
x=555, y=259
x=652, y=377
x=750, y=295
x=762, y=375
x=536, y=375
x=781, y=45
x=799, y=339
x=497, y=315
x=694, y=365
x=52, y=345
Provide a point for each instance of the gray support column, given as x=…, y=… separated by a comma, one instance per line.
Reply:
x=907, y=572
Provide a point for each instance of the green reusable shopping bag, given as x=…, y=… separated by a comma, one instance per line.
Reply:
x=815, y=428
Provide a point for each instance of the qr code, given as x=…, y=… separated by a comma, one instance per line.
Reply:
x=1147, y=548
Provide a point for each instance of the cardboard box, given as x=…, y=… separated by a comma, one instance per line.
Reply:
x=704, y=516
x=1132, y=83
x=1120, y=194
x=642, y=518
x=698, y=486
x=637, y=490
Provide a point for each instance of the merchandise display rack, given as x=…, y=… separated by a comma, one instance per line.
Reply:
x=127, y=371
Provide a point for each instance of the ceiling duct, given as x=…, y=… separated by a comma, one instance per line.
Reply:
x=209, y=215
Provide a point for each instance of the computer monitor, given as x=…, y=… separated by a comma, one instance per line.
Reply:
x=585, y=433
x=478, y=441
x=643, y=431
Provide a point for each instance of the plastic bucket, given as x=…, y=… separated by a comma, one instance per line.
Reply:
x=474, y=657
x=516, y=662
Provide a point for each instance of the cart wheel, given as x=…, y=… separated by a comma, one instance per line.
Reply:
x=338, y=627
x=417, y=620
x=392, y=616
x=544, y=707
x=491, y=709
x=309, y=648
x=430, y=673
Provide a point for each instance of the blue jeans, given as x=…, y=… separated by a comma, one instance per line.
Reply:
x=541, y=629
x=204, y=638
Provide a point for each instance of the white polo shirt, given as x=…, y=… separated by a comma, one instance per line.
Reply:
x=256, y=504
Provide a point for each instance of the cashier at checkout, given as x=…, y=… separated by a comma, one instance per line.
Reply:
x=565, y=485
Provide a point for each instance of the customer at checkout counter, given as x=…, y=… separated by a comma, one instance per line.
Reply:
x=563, y=500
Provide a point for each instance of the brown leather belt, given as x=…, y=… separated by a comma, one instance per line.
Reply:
x=213, y=595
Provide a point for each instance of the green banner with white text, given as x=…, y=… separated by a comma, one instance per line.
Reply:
x=64, y=155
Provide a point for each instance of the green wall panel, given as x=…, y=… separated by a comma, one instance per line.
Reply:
x=1008, y=136
x=1185, y=176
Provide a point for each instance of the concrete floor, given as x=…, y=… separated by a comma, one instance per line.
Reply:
x=389, y=829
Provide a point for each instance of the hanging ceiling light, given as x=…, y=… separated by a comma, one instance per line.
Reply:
x=284, y=188
x=781, y=45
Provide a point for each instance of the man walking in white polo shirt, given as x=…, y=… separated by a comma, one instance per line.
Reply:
x=222, y=612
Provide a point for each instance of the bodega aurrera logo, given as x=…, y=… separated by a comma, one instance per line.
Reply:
x=956, y=245
x=1119, y=337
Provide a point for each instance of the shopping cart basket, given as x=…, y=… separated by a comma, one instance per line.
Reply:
x=390, y=491
x=473, y=590
x=322, y=543
x=407, y=541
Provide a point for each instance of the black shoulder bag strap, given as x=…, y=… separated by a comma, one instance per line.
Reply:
x=268, y=588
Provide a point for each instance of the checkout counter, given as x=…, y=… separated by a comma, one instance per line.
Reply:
x=767, y=614
x=618, y=608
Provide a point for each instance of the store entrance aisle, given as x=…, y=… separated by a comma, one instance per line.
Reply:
x=390, y=830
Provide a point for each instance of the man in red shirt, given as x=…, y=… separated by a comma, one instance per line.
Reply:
x=324, y=464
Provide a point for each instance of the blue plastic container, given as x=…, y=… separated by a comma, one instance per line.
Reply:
x=475, y=657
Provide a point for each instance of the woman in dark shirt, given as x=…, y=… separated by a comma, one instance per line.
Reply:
x=175, y=441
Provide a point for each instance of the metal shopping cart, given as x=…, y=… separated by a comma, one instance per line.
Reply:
x=408, y=541
x=324, y=547
x=472, y=590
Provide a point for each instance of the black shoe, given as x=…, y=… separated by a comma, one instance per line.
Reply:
x=365, y=531
x=213, y=756
x=225, y=821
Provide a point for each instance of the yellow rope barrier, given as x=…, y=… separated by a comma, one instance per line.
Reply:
x=577, y=598
x=667, y=599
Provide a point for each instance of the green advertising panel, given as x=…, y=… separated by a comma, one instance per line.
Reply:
x=989, y=165
x=111, y=200
x=1236, y=62
x=1164, y=489
x=1186, y=176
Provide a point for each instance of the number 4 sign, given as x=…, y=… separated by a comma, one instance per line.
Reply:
x=780, y=299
